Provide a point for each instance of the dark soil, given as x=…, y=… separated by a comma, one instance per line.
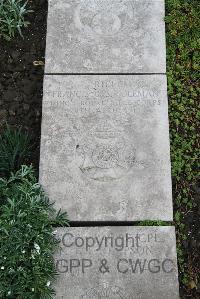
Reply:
x=21, y=84
x=191, y=247
x=20, y=80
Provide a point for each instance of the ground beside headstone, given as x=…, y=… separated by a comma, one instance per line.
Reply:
x=105, y=147
x=105, y=36
x=117, y=262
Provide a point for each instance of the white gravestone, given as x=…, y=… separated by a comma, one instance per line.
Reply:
x=105, y=152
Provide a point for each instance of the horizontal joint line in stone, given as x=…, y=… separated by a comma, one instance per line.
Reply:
x=112, y=223
x=103, y=74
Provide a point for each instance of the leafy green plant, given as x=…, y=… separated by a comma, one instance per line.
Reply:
x=152, y=223
x=15, y=149
x=12, y=17
x=27, y=240
x=183, y=65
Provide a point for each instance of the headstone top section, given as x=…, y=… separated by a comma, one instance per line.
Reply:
x=105, y=36
x=105, y=147
x=117, y=262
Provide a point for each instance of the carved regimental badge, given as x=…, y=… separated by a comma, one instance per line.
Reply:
x=107, y=21
x=103, y=18
x=105, y=153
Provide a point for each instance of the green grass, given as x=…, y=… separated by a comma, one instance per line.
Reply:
x=27, y=240
x=183, y=44
x=15, y=149
x=12, y=18
x=152, y=223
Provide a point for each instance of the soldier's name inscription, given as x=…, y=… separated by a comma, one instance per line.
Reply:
x=106, y=96
x=103, y=95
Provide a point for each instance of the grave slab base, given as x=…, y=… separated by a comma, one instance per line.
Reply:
x=117, y=262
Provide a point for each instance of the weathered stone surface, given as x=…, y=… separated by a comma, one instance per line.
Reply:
x=105, y=36
x=117, y=262
x=105, y=147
